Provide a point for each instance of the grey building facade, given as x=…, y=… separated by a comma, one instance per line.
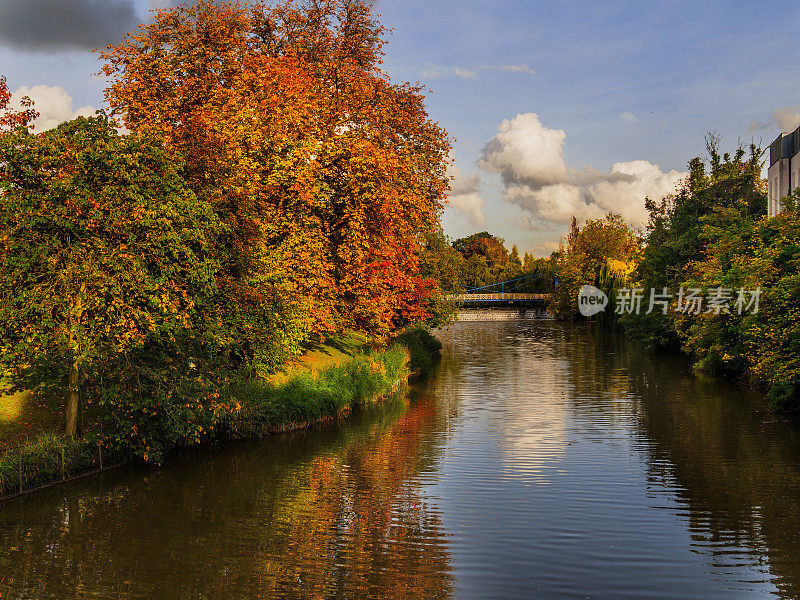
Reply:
x=783, y=174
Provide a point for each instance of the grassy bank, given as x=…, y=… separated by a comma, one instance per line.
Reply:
x=25, y=417
x=325, y=383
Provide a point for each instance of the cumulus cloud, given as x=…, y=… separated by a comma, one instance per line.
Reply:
x=526, y=152
x=53, y=104
x=627, y=187
x=54, y=25
x=554, y=203
x=628, y=117
x=530, y=160
x=787, y=118
x=545, y=248
x=464, y=195
x=528, y=223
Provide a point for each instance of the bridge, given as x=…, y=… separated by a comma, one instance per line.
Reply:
x=472, y=297
x=501, y=306
x=502, y=292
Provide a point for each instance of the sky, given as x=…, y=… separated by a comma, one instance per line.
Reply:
x=555, y=108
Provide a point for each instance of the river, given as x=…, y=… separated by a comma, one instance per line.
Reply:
x=539, y=460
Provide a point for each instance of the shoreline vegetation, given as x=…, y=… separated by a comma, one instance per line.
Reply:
x=324, y=384
x=711, y=238
x=259, y=188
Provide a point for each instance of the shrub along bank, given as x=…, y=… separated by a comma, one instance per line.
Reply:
x=262, y=406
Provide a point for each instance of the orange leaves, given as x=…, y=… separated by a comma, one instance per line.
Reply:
x=327, y=173
x=11, y=118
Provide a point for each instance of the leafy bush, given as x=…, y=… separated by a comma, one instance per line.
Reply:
x=423, y=348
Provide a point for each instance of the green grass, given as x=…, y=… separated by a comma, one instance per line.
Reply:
x=308, y=397
x=423, y=349
x=333, y=351
x=24, y=417
x=49, y=459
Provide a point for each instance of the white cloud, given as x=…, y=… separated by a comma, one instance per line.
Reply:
x=545, y=248
x=554, y=203
x=628, y=117
x=53, y=104
x=523, y=68
x=787, y=118
x=433, y=71
x=528, y=223
x=471, y=205
x=625, y=195
x=464, y=195
x=784, y=119
x=526, y=152
x=530, y=160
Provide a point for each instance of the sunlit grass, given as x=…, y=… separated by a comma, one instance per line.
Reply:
x=24, y=416
x=11, y=406
x=307, y=397
x=333, y=351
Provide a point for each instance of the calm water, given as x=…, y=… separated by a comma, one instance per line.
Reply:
x=539, y=461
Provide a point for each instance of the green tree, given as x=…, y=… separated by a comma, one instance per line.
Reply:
x=483, y=244
x=748, y=253
x=486, y=259
x=442, y=263
x=105, y=249
x=675, y=239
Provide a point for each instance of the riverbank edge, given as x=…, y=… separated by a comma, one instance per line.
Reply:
x=265, y=408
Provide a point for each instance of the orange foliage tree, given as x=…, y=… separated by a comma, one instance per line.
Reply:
x=11, y=118
x=328, y=173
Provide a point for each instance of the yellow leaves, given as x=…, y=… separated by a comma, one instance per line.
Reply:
x=620, y=268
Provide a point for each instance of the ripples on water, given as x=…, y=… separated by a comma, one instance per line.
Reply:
x=540, y=461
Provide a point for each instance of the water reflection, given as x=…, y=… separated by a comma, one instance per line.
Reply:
x=661, y=485
x=540, y=461
x=336, y=513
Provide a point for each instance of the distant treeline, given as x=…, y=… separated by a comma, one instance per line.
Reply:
x=481, y=262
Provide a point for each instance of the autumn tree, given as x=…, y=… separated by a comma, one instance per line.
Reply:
x=484, y=245
x=603, y=252
x=328, y=173
x=10, y=117
x=105, y=250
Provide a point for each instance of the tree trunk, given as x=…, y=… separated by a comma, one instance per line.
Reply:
x=72, y=399
x=73, y=396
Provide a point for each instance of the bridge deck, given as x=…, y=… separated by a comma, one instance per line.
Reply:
x=499, y=297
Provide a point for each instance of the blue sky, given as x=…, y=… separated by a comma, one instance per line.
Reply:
x=603, y=101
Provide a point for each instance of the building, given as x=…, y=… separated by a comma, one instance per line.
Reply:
x=783, y=174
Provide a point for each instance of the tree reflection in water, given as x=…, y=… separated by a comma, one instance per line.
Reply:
x=333, y=513
x=732, y=467
x=541, y=461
